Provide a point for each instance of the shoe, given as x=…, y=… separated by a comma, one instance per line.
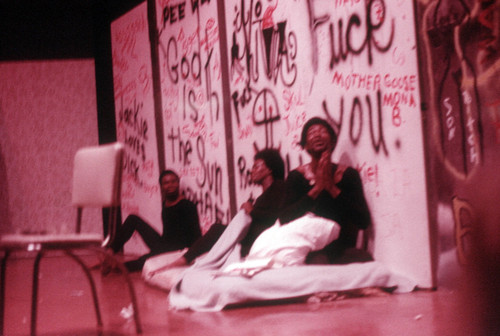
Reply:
x=107, y=264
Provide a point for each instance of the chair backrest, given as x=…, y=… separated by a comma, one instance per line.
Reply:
x=97, y=174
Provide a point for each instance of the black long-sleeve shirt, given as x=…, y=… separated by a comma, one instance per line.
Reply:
x=349, y=209
x=264, y=213
x=181, y=226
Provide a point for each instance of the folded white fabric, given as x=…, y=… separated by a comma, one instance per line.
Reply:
x=167, y=278
x=285, y=245
x=247, y=268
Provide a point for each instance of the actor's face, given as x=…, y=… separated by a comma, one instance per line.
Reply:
x=169, y=185
x=259, y=171
x=318, y=139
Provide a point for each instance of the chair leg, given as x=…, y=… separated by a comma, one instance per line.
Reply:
x=34, y=292
x=3, y=268
x=133, y=297
x=92, y=285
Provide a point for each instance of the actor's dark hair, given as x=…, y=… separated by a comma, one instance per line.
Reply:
x=272, y=159
x=168, y=172
x=317, y=121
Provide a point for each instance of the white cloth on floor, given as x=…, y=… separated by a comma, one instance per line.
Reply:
x=285, y=245
x=200, y=288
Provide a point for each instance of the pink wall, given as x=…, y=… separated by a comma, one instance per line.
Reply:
x=47, y=111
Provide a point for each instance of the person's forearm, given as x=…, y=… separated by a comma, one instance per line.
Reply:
x=314, y=192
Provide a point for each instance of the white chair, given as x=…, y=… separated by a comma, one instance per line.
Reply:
x=96, y=183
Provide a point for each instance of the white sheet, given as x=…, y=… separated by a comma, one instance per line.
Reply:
x=202, y=288
x=285, y=245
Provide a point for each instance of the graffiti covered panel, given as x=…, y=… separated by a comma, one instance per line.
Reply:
x=194, y=135
x=132, y=79
x=355, y=64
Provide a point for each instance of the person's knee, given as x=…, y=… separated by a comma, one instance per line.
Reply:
x=133, y=219
x=317, y=258
x=352, y=255
x=217, y=228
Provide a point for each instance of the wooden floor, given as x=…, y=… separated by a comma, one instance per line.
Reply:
x=65, y=308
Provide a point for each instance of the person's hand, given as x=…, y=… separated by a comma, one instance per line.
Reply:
x=325, y=178
x=323, y=174
x=152, y=273
x=337, y=177
x=247, y=206
x=339, y=173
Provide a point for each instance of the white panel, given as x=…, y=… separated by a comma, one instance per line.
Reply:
x=135, y=119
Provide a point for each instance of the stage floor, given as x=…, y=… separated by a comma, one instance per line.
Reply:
x=65, y=308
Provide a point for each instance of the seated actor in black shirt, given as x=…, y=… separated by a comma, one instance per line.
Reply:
x=181, y=227
x=329, y=190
